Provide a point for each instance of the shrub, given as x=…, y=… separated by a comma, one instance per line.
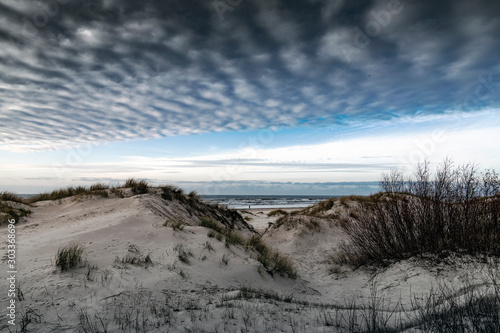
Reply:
x=69, y=256
x=457, y=210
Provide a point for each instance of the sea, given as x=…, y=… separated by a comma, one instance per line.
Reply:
x=264, y=201
x=257, y=201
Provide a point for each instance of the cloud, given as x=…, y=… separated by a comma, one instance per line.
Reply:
x=73, y=72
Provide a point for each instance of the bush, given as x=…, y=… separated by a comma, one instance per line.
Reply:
x=457, y=210
x=69, y=256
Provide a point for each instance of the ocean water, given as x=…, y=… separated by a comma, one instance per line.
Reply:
x=264, y=201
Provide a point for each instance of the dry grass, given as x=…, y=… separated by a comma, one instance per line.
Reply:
x=456, y=211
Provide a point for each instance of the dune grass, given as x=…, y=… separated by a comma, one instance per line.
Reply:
x=11, y=196
x=273, y=261
x=69, y=256
x=277, y=212
x=8, y=211
x=96, y=189
x=137, y=186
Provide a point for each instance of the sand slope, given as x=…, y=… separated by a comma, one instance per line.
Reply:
x=219, y=289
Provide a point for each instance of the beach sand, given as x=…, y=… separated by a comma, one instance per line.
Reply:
x=218, y=289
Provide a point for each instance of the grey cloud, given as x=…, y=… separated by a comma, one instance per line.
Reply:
x=94, y=70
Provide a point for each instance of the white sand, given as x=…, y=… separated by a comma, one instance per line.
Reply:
x=171, y=296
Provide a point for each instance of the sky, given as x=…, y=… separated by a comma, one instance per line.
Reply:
x=244, y=96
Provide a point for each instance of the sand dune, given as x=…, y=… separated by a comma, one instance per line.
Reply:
x=214, y=287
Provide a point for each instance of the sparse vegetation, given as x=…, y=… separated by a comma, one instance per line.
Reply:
x=225, y=259
x=277, y=212
x=458, y=210
x=11, y=196
x=137, y=186
x=218, y=231
x=8, y=212
x=292, y=221
x=176, y=225
x=169, y=192
x=96, y=189
x=273, y=261
x=134, y=256
x=208, y=246
x=69, y=256
x=183, y=254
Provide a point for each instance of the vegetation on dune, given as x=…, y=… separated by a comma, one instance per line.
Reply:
x=137, y=186
x=457, y=210
x=277, y=212
x=9, y=211
x=273, y=261
x=69, y=256
x=292, y=221
x=96, y=189
x=10, y=196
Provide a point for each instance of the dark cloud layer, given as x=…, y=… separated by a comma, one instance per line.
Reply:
x=74, y=71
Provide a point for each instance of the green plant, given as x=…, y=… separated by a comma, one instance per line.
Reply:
x=69, y=256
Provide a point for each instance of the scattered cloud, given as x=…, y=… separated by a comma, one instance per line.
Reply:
x=101, y=71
